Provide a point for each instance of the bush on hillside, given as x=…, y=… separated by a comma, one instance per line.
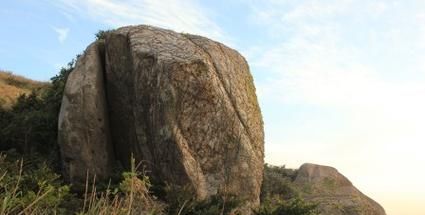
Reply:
x=278, y=206
x=279, y=196
x=277, y=182
x=30, y=125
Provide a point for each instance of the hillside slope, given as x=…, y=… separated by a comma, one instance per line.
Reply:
x=12, y=86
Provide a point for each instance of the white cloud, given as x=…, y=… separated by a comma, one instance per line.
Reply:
x=62, y=33
x=180, y=15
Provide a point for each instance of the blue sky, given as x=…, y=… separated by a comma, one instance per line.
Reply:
x=340, y=82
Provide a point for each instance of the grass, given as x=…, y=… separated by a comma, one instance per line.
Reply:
x=25, y=190
x=31, y=187
x=12, y=86
x=28, y=188
x=132, y=196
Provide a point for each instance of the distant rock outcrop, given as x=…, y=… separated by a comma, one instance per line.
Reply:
x=333, y=192
x=183, y=104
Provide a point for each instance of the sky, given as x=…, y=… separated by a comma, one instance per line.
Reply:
x=340, y=82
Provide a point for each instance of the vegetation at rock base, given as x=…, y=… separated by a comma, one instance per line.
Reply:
x=279, y=196
x=30, y=186
x=279, y=206
x=181, y=200
x=277, y=182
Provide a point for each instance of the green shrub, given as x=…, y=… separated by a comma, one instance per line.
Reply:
x=277, y=182
x=182, y=201
x=30, y=125
x=295, y=206
x=28, y=188
x=279, y=196
x=101, y=35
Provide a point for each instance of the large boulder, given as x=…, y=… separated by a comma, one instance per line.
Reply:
x=333, y=192
x=182, y=104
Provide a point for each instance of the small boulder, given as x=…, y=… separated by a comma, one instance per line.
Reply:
x=333, y=192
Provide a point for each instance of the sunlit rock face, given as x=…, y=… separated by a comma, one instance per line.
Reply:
x=333, y=192
x=183, y=104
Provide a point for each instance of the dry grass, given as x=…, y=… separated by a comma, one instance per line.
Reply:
x=26, y=191
x=135, y=197
x=12, y=86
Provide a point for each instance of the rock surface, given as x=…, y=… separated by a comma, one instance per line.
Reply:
x=333, y=192
x=83, y=121
x=183, y=104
